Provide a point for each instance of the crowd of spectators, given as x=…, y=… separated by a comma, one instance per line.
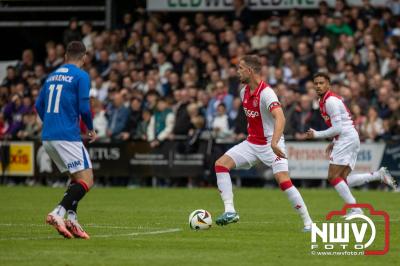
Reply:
x=155, y=80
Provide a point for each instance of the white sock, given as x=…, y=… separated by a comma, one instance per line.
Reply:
x=297, y=201
x=59, y=210
x=71, y=215
x=225, y=187
x=343, y=189
x=361, y=179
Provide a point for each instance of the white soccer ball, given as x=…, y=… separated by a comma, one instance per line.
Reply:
x=200, y=220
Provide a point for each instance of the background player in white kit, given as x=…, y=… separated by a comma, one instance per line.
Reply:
x=265, y=142
x=345, y=146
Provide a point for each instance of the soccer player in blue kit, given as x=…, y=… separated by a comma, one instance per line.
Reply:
x=63, y=100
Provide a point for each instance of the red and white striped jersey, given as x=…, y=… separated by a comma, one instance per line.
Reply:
x=257, y=107
x=332, y=108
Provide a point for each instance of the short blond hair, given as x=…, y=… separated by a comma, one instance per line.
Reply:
x=253, y=61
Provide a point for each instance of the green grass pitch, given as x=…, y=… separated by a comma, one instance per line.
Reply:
x=150, y=227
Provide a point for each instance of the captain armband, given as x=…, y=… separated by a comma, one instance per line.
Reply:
x=273, y=106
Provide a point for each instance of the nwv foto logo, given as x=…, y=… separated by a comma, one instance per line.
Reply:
x=339, y=235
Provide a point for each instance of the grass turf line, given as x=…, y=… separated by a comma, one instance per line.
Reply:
x=268, y=233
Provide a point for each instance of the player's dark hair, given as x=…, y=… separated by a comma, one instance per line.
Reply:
x=322, y=75
x=75, y=50
x=252, y=61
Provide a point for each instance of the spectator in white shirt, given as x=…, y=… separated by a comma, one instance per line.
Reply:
x=220, y=124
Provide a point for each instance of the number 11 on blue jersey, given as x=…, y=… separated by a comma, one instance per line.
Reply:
x=58, y=96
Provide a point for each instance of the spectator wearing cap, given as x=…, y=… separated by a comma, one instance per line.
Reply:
x=274, y=28
x=338, y=26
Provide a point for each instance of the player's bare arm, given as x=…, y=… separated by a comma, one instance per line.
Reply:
x=280, y=121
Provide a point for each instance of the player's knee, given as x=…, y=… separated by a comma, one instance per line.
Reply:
x=219, y=162
x=89, y=183
x=282, y=176
x=332, y=176
x=221, y=166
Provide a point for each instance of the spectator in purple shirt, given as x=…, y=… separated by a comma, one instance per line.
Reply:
x=13, y=113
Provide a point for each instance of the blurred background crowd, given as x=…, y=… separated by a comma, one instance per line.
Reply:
x=155, y=80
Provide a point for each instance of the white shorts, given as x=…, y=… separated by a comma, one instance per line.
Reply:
x=345, y=151
x=246, y=154
x=69, y=156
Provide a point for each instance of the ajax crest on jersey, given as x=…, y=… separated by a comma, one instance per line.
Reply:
x=255, y=103
x=200, y=220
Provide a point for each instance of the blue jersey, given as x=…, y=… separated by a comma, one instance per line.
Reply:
x=64, y=98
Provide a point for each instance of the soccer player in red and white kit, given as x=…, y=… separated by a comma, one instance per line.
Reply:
x=265, y=142
x=345, y=146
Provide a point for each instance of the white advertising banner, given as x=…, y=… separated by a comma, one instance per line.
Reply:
x=227, y=5
x=308, y=159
